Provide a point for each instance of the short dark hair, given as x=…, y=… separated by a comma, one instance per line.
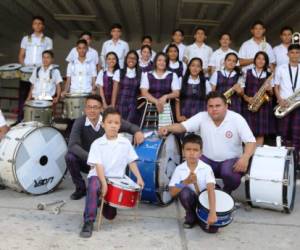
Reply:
x=110, y=111
x=115, y=26
x=146, y=47
x=215, y=94
x=81, y=41
x=224, y=34
x=192, y=138
x=146, y=37
x=94, y=97
x=289, y=28
x=38, y=18
x=294, y=46
x=199, y=28
x=178, y=30
x=49, y=52
x=258, y=22
x=86, y=33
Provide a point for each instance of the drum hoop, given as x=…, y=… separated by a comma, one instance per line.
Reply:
x=10, y=69
x=222, y=225
x=285, y=187
x=122, y=187
x=43, y=107
x=77, y=95
x=118, y=206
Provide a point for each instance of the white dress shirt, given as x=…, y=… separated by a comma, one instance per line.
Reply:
x=2, y=120
x=203, y=52
x=181, y=47
x=89, y=123
x=281, y=54
x=218, y=57
x=153, y=54
x=34, y=46
x=91, y=55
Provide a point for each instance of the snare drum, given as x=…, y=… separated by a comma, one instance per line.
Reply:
x=10, y=71
x=224, y=208
x=74, y=105
x=158, y=159
x=26, y=72
x=122, y=192
x=271, y=179
x=32, y=158
x=38, y=110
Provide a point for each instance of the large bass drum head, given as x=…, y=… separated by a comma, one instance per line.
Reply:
x=169, y=158
x=39, y=160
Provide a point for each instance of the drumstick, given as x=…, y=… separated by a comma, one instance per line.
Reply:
x=100, y=215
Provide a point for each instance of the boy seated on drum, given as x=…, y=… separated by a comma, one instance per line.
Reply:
x=45, y=80
x=108, y=157
x=189, y=179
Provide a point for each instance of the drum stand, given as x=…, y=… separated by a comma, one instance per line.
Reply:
x=100, y=215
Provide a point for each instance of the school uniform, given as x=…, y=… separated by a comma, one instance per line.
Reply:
x=2, y=120
x=191, y=101
x=281, y=54
x=217, y=58
x=128, y=92
x=81, y=74
x=223, y=144
x=249, y=48
x=203, y=52
x=146, y=67
x=178, y=67
x=181, y=47
x=224, y=80
x=153, y=54
x=289, y=126
x=34, y=46
x=262, y=122
x=91, y=55
x=121, y=48
x=106, y=80
x=114, y=156
x=44, y=81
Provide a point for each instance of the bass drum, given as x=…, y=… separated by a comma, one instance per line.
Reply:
x=271, y=179
x=158, y=159
x=32, y=158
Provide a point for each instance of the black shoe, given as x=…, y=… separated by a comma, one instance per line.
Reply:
x=188, y=225
x=2, y=187
x=77, y=195
x=87, y=229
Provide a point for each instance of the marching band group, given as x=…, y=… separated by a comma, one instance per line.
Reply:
x=228, y=97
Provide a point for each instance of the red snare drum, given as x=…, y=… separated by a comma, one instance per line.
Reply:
x=122, y=192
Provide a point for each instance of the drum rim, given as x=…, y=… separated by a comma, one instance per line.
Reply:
x=37, y=126
x=27, y=103
x=230, y=218
x=286, y=208
x=76, y=95
x=16, y=64
x=27, y=67
x=119, y=206
x=137, y=189
x=218, y=213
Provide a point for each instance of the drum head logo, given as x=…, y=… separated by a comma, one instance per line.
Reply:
x=228, y=134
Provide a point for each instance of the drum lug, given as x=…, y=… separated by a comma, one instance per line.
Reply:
x=285, y=182
x=11, y=161
x=247, y=177
x=19, y=139
x=120, y=198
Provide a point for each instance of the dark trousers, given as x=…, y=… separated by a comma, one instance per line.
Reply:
x=24, y=88
x=92, y=201
x=189, y=200
x=224, y=170
x=75, y=167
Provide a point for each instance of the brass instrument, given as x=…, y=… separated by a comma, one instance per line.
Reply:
x=296, y=38
x=293, y=103
x=261, y=96
x=228, y=93
x=264, y=44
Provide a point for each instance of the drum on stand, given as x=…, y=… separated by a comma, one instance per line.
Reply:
x=224, y=208
x=10, y=71
x=38, y=110
x=158, y=159
x=26, y=72
x=271, y=179
x=32, y=158
x=74, y=105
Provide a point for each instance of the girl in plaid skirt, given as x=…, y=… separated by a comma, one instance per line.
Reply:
x=175, y=65
x=262, y=122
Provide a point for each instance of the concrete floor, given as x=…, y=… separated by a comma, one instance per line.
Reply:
x=25, y=227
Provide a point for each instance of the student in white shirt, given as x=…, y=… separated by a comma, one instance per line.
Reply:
x=30, y=53
x=108, y=156
x=175, y=65
x=223, y=133
x=81, y=73
x=46, y=80
x=108, y=80
x=192, y=177
x=177, y=39
x=3, y=126
x=145, y=61
x=287, y=82
x=147, y=40
x=281, y=50
x=198, y=49
x=255, y=44
x=116, y=45
x=91, y=55
x=216, y=61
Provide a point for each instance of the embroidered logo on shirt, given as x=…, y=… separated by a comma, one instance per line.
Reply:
x=228, y=134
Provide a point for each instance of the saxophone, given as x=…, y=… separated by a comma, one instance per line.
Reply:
x=293, y=103
x=228, y=93
x=261, y=96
